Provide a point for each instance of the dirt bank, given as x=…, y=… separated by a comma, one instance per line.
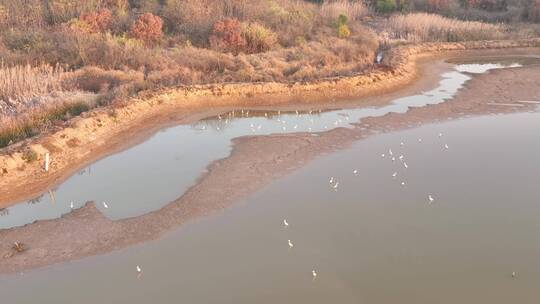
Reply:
x=254, y=162
x=105, y=131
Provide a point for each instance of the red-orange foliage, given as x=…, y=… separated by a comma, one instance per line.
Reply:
x=99, y=21
x=227, y=36
x=148, y=28
x=438, y=5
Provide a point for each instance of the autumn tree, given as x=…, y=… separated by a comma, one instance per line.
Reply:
x=99, y=21
x=227, y=36
x=148, y=28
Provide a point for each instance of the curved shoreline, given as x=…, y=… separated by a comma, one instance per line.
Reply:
x=103, y=132
x=254, y=163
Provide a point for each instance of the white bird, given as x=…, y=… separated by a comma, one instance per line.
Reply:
x=401, y=157
x=314, y=273
x=393, y=158
x=335, y=185
x=394, y=175
x=290, y=244
x=401, y=144
x=431, y=199
x=382, y=155
x=405, y=165
x=105, y=205
x=139, y=270
x=403, y=183
x=446, y=146
x=285, y=223
x=355, y=172
x=513, y=274
x=419, y=140
x=390, y=152
x=440, y=134
x=71, y=205
x=331, y=180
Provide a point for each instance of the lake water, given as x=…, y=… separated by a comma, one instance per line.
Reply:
x=373, y=240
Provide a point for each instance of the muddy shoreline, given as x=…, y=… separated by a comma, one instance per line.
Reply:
x=253, y=163
x=106, y=131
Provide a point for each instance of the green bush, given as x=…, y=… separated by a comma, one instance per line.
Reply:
x=386, y=6
x=343, y=30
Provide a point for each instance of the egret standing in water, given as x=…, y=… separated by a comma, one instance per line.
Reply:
x=290, y=244
x=285, y=223
x=431, y=199
x=71, y=205
x=105, y=205
x=314, y=274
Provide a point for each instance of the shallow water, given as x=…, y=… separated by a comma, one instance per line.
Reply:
x=170, y=162
x=371, y=241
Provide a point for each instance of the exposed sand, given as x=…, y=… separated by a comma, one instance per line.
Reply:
x=104, y=131
x=253, y=163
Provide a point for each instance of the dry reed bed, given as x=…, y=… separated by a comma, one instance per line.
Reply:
x=400, y=69
x=18, y=84
x=353, y=10
x=422, y=27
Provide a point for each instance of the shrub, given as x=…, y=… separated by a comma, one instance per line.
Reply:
x=29, y=155
x=99, y=21
x=97, y=80
x=386, y=6
x=343, y=30
x=227, y=36
x=258, y=38
x=60, y=11
x=148, y=28
x=534, y=11
x=18, y=40
x=490, y=5
x=438, y=5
